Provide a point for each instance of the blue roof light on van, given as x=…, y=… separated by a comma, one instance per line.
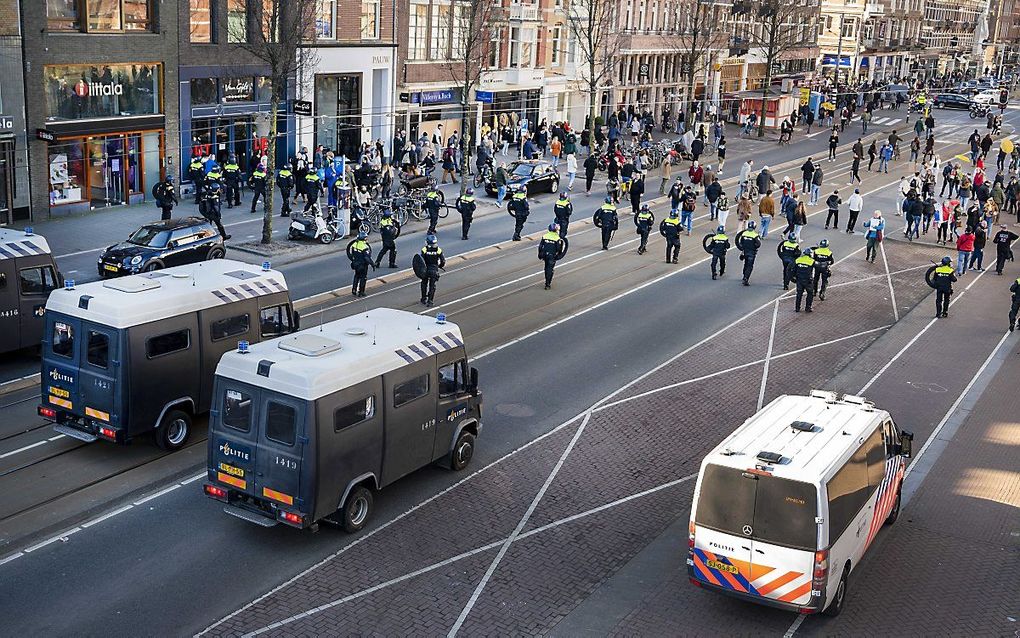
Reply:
x=266, y=266
x=28, y=231
x=68, y=284
x=242, y=347
x=441, y=318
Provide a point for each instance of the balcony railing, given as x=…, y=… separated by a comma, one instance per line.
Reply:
x=524, y=12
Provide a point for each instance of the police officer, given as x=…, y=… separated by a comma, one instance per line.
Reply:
x=466, y=207
x=717, y=245
x=257, y=183
x=232, y=180
x=432, y=254
x=432, y=206
x=314, y=189
x=670, y=228
x=212, y=192
x=551, y=248
x=1003, y=241
x=789, y=251
x=285, y=182
x=520, y=209
x=360, y=254
x=166, y=196
x=804, y=270
x=941, y=278
x=196, y=172
x=1015, y=289
x=389, y=230
x=644, y=221
x=606, y=219
x=748, y=241
x=823, y=267
x=562, y=210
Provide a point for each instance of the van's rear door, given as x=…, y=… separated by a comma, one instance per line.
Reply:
x=98, y=374
x=281, y=446
x=723, y=520
x=233, y=434
x=784, y=540
x=61, y=360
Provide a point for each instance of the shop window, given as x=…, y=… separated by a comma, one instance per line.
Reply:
x=201, y=22
x=62, y=15
x=418, y=24
x=325, y=20
x=84, y=91
x=263, y=89
x=237, y=21
x=370, y=19
x=203, y=92
x=67, y=171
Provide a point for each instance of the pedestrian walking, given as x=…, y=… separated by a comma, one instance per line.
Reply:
x=854, y=204
x=875, y=230
x=964, y=248
x=832, y=203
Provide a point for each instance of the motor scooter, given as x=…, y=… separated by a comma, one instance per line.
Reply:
x=313, y=225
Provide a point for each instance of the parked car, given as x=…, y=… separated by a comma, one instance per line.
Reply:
x=951, y=101
x=163, y=244
x=537, y=176
x=986, y=97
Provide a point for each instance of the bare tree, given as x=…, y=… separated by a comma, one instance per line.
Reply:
x=776, y=28
x=596, y=35
x=693, y=31
x=272, y=34
x=473, y=25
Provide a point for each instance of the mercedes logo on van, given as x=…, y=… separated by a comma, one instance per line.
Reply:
x=747, y=530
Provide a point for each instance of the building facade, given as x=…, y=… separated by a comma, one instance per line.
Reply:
x=839, y=38
x=15, y=191
x=951, y=35
x=891, y=44
x=104, y=78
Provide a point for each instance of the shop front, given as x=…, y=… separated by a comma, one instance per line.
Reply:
x=105, y=134
x=509, y=108
x=429, y=109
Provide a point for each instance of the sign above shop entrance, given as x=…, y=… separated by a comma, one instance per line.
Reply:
x=6, y=123
x=301, y=107
x=238, y=90
x=485, y=97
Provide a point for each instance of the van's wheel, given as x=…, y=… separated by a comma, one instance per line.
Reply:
x=173, y=430
x=462, y=451
x=155, y=264
x=894, y=513
x=356, y=509
x=216, y=253
x=836, y=605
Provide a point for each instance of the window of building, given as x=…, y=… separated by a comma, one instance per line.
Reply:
x=67, y=171
x=229, y=327
x=404, y=393
x=370, y=10
x=522, y=47
x=136, y=15
x=89, y=91
x=168, y=343
x=461, y=30
x=557, y=42
x=201, y=21
x=417, y=27
x=62, y=343
x=237, y=410
x=281, y=423
x=62, y=15
x=325, y=20
x=353, y=414
x=237, y=21
x=104, y=15
x=271, y=19
x=203, y=91
x=37, y=281
x=98, y=349
x=494, y=42
x=98, y=15
x=439, y=48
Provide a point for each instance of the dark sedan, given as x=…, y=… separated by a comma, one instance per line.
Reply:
x=951, y=101
x=536, y=175
x=161, y=245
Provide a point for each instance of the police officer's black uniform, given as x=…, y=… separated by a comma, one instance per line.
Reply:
x=644, y=221
x=257, y=182
x=466, y=207
x=670, y=228
x=434, y=261
x=562, y=210
x=748, y=242
x=285, y=182
x=360, y=253
x=804, y=270
x=212, y=191
x=941, y=278
x=823, y=269
x=607, y=219
x=232, y=180
x=196, y=171
x=1015, y=308
x=313, y=190
x=1003, y=241
x=432, y=206
x=718, y=244
x=789, y=251
x=389, y=230
x=166, y=197
x=551, y=249
x=520, y=209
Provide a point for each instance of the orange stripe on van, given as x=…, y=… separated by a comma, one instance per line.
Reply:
x=706, y=572
x=796, y=593
x=277, y=496
x=728, y=576
x=749, y=571
x=788, y=577
x=64, y=403
x=231, y=480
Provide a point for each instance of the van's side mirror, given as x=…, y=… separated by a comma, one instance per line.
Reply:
x=297, y=320
x=473, y=388
x=906, y=443
x=60, y=279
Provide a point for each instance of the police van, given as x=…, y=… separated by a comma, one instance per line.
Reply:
x=27, y=275
x=785, y=507
x=134, y=355
x=306, y=427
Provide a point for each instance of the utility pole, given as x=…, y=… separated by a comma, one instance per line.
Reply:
x=839, y=50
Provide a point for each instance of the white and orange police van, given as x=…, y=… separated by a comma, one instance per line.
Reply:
x=785, y=506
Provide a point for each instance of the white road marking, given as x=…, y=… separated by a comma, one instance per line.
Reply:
x=794, y=627
x=194, y=478
x=768, y=356
x=119, y=510
x=23, y=449
x=11, y=557
x=54, y=539
x=888, y=275
x=157, y=494
x=54, y=438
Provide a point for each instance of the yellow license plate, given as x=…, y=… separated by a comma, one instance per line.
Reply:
x=723, y=567
x=110, y=268
x=231, y=470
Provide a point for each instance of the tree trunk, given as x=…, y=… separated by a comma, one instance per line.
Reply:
x=593, y=87
x=465, y=140
x=764, y=100
x=267, y=220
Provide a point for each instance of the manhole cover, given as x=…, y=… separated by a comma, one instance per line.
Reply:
x=515, y=410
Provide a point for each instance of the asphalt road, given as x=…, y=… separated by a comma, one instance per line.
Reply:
x=175, y=564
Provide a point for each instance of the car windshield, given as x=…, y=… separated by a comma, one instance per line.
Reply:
x=523, y=170
x=150, y=236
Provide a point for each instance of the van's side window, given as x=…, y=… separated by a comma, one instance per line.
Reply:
x=404, y=393
x=874, y=448
x=37, y=281
x=99, y=349
x=451, y=378
x=275, y=321
x=281, y=422
x=353, y=414
x=891, y=438
x=237, y=410
x=168, y=343
x=3, y=280
x=848, y=492
x=229, y=327
x=63, y=339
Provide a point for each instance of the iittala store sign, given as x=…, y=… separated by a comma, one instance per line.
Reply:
x=80, y=91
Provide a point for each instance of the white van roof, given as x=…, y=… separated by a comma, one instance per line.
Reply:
x=17, y=243
x=814, y=435
x=138, y=299
x=318, y=361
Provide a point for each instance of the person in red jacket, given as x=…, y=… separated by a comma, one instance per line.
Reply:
x=695, y=173
x=964, y=247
